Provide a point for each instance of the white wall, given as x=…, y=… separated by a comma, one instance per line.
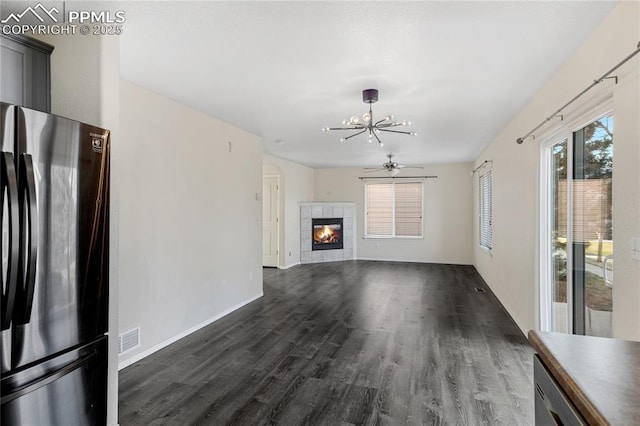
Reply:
x=511, y=271
x=296, y=186
x=85, y=76
x=76, y=76
x=447, y=214
x=626, y=205
x=191, y=218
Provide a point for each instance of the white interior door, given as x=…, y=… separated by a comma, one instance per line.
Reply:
x=270, y=221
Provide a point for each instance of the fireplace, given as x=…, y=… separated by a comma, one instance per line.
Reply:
x=326, y=234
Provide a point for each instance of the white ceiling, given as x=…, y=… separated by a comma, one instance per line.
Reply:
x=459, y=71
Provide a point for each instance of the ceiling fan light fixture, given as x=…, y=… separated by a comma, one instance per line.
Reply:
x=368, y=124
x=391, y=168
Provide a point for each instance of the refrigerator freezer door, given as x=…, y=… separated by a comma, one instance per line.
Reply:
x=67, y=390
x=63, y=167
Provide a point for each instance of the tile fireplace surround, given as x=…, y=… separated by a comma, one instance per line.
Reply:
x=309, y=211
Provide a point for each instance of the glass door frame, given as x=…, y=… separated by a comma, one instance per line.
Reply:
x=564, y=130
x=547, y=314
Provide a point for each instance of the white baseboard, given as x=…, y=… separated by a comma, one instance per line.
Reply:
x=506, y=308
x=290, y=266
x=411, y=261
x=144, y=354
x=513, y=317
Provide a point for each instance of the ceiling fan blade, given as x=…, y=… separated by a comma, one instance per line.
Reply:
x=371, y=170
x=412, y=167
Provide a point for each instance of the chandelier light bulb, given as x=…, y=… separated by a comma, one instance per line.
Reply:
x=354, y=120
x=389, y=117
x=366, y=117
x=345, y=121
x=381, y=144
x=343, y=140
x=414, y=133
x=325, y=129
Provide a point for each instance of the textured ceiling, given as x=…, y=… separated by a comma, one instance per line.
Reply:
x=459, y=71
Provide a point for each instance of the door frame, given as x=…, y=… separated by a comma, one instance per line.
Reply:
x=594, y=110
x=546, y=312
x=277, y=216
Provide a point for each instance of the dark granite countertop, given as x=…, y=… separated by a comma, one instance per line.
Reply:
x=601, y=376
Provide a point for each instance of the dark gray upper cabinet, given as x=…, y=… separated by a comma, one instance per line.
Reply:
x=25, y=72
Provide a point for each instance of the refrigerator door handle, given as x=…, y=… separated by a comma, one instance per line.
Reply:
x=9, y=183
x=49, y=378
x=28, y=239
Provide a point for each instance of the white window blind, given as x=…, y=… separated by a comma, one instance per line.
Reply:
x=379, y=209
x=408, y=209
x=486, y=203
x=393, y=209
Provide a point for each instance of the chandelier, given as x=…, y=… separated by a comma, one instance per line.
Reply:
x=367, y=125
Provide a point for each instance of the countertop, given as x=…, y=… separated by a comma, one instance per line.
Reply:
x=601, y=376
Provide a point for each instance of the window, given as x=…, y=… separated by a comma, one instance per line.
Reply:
x=486, y=202
x=393, y=209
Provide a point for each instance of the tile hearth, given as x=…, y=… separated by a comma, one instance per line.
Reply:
x=309, y=211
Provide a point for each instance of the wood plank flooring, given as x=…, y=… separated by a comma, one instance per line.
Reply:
x=345, y=343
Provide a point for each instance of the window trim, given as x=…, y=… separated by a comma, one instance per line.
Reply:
x=393, y=222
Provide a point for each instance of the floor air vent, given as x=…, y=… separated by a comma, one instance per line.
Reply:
x=129, y=340
x=480, y=289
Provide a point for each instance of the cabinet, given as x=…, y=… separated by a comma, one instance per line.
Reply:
x=552, y=406
x=25, y=72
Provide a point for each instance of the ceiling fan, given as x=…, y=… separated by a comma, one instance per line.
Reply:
x=391, y=167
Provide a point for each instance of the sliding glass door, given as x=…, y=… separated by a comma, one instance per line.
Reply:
x=592, y=228
x=577, y=238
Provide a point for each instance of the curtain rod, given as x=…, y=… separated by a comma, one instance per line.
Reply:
x=595, y=82
x=481, y=166
x=397, y=177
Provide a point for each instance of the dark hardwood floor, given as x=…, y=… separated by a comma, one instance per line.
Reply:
x=355, y=342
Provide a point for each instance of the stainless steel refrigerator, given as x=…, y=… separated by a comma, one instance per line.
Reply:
x=55, y=269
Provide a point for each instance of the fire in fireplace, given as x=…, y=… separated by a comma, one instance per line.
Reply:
x=326, y=234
